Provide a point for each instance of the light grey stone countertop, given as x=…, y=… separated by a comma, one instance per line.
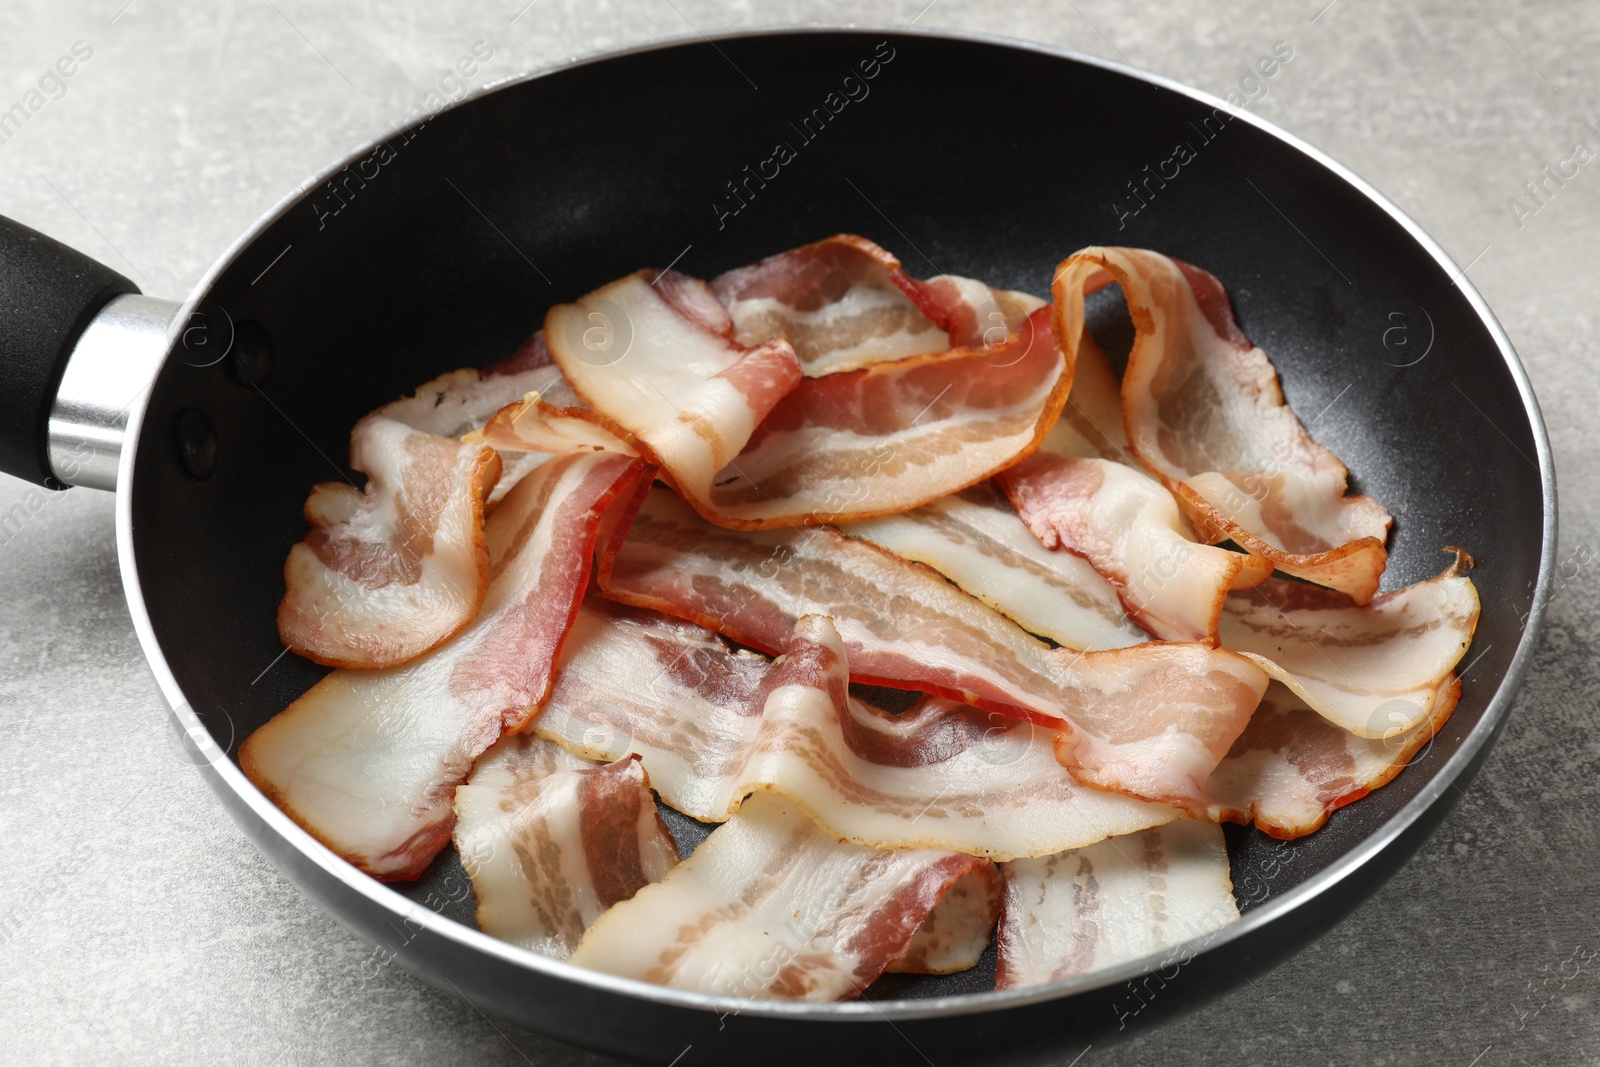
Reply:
x=137, y=925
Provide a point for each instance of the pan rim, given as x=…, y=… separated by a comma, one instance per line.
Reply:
x=223, y=772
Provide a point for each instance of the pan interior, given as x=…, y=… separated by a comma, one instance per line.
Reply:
x=444, y=248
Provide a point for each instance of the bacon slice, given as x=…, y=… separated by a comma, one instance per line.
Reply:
x=845, y=303
x=955, y=933
x=972, y=313
x=647, y=354
x=976, y=540
x=550, y=841
x=1204, y=412
x=714, y=726
x=1373, y=669
x=368, y=761
x=459, y=403
x=1291, y=767
x=1150, y=721
x=1130, y=530
x=1091, y=424
x=1082, y=493
x=389, y=573
x=771, y=906
x=752, y=446
x=1112, y=902
x=535, y=424
x=895, y=435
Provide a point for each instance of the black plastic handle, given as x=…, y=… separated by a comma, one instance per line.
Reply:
x=48, y=294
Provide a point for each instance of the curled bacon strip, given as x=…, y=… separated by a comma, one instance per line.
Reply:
x=389, y=573
x=1129, y=528
x=459, y=403
x=534, y=424
x=1204, y=412
x=1373, y=669
x=368, y=761
x=752, y=445
x=1112, y=902
x=648, y=354
x=1150, y=721
x=769, y=905
x=895, y=435
x=1080, y=493
x=844, y=303
x=551, y=841
x=1291, y=768
x=714, y=726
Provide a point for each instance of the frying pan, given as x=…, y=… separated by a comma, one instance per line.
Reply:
x=443, y=244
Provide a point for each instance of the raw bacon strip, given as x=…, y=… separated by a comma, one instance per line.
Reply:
x=1109, y=903
x=389, y=573
x=1080, y=492
x=1129, y=528
x=459, y=403
x=1091, y=424
x=845, y=303
x=714, y=727
x=547, y=417
x=368, y=761
x=771, y=906
x=645, y=354
x=1204, y=412
x=534, y=424
x=971, y=312
x=752, y=446
x=1291, y=767
x=955, y=933
x=1150, y=721
x=836, y=301
x=551, y=841
x=895, y=435
x=1373, y=669
x=976, y=540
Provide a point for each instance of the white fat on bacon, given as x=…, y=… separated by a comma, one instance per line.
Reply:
x=1204, y=411
x=1150, y=721
x=975, y=539
x=845, y=303
x=714, y=726
x=551, y=841
x=1113, y=902
x=368, y=761
x=390, y=572
x=1292, y=767
x=1373, y=669
x=770, y=906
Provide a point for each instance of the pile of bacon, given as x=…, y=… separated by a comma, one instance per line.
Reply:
x=818, y=473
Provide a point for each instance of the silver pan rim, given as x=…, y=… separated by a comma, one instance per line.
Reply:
x=224, y=774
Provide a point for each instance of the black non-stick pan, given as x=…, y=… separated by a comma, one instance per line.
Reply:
x=443, y=245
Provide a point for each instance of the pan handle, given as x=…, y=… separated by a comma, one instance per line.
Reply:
x=49, y=294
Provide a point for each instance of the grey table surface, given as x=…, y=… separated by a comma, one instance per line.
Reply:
x=138, y=925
